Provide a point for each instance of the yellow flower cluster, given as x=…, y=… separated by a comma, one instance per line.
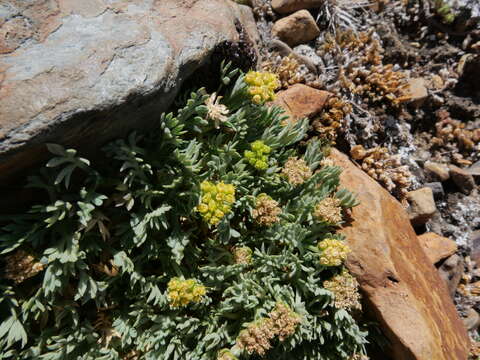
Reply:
x=261, y=86
x=216, y=201
x=334, y=252
x=345, y=289
x=266, y=210
x=258, y=156
x=242, y=255
x=182, y=292
x=329, y=210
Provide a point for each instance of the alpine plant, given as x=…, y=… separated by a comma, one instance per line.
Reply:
x=207, y=238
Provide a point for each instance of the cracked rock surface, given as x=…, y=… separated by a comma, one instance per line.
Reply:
x=80, y=73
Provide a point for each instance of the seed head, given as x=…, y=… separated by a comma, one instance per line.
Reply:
x=285, y=321
x=345, y=289
x=296, y=171
x=256, y=337
x=329, y=210
x=242, y=255
x=266, y=210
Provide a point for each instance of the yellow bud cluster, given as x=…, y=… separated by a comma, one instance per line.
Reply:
x=182, y=292
x=216, y=201
x=261, y=86
x=334, y=252
x=258, y=156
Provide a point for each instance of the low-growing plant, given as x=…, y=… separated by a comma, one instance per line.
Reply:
x=192, y=242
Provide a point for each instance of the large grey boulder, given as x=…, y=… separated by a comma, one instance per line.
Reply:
x=80, y=73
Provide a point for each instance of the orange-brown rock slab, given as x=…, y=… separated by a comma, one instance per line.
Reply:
x=400, y=284
x=301, y=101
x=437, y=247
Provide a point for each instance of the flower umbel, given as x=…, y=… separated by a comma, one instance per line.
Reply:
x=345, y=289
x=266, y=210
x=182, y=292
x=258, y=156
x=261, y=86
x=281, y=322
x=216, y=111
x=329, y=210
x=334, y=252
x=256, y=337
x=296, y=171
x=285, y=321
x=216, y=201
x=242, y=255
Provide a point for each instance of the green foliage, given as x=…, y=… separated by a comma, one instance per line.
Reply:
x=112, y=239
x=445, y=11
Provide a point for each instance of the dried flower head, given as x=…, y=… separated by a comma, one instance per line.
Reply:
x=20, y=266
x=266, y=210
x=362, y=71
x=329, y=210
x=281, y=322
x=285, y=321
x=255, y=339
x=261, y=86
x=345, y=290
x=226, y=354
x=296, y=170
x=183, y=292
x=286, y=68
x=333, y=252
x=242, y=255
x=329, y=124
x=216, y=112
x=216, y=201
x=258, y=155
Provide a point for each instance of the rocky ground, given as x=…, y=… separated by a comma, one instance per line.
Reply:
x=392, y=83
x=404, y=102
